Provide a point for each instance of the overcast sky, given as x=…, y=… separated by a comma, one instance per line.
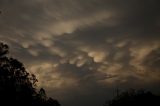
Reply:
x=82, y=50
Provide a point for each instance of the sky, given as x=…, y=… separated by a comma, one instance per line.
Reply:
x=83, y=50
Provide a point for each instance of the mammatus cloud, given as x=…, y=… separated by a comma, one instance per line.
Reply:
x=82, y=50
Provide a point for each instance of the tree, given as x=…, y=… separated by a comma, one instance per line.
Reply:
x=17, y=86
x=135, y=98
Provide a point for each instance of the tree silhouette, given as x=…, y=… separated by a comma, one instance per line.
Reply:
x=17, y=86
x=135, y=98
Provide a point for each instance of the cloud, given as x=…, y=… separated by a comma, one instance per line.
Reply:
x=139, y=53
x=51, y=75
x=79, y=50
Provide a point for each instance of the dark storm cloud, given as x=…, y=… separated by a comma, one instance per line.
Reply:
x=85, y=49
x=152, y=60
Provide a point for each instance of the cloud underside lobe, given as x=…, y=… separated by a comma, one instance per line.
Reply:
x=83, y=47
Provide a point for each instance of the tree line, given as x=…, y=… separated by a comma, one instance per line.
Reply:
x=17, y=86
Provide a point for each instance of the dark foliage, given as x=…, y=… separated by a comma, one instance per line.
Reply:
x=17, y=86
x=135, y=98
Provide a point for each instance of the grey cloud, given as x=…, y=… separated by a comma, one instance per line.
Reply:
x=152, y=60
x=84, y=48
